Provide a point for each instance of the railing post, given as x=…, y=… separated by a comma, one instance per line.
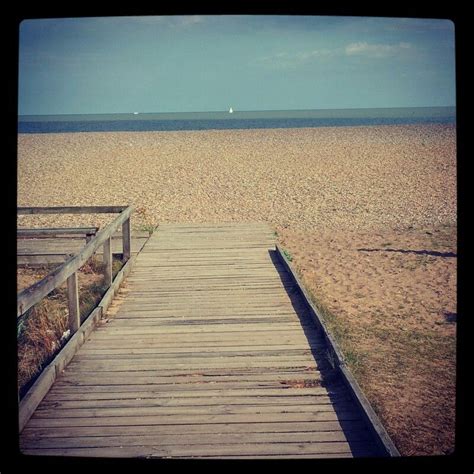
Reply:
x=126, y=240
x=73, y=303
x=108, y=262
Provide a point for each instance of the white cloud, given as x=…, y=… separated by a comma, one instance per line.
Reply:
x=285, y=60
x=288, y=60
x=316, y=53
x=376, y=50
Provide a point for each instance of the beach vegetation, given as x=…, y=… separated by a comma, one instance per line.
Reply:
x=43, y=330
x=147, y=228
x=146, y=222
x=287, y=255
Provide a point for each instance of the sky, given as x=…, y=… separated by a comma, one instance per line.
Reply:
x=210, y=63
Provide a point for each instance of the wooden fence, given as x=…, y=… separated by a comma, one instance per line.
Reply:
x=68, y=270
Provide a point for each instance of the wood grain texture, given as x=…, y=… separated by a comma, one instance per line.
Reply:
x=211, y=353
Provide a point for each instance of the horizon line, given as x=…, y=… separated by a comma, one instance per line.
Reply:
x=235, y=110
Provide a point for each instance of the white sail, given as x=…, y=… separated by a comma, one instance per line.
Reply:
x=231, y=111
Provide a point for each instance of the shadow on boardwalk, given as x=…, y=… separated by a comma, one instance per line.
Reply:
x=330, y=377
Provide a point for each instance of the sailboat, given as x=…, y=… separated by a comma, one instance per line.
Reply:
x=231, y=110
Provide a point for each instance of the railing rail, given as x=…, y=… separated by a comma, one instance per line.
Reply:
x=68, y=270
x=71, y=210
x=48, y=233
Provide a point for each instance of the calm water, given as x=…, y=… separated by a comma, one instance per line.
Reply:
x=236, y=120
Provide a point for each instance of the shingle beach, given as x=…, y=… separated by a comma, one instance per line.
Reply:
x=324, y=178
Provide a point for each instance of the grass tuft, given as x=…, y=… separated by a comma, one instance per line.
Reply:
x=89, y=298
x=39, y=338
x=287, y=255
x=147, y=222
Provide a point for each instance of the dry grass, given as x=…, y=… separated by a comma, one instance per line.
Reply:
x=39, y=337
x=43, y=330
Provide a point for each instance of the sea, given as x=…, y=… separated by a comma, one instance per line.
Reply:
x=223, y=120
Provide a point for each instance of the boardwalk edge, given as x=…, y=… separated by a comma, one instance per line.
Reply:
x=373, y=421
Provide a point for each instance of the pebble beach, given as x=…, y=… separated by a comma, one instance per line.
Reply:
x=368, y=213
x=327, y=178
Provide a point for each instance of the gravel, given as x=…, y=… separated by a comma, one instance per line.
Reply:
x=330, y=178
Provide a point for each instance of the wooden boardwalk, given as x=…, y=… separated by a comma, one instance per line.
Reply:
x=210, y=354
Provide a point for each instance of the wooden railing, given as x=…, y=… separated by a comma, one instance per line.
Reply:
x=71, y=233
x=68, y=270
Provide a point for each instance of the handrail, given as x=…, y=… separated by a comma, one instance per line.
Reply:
x=67, y=271
x=71, y=210
x=71, y=232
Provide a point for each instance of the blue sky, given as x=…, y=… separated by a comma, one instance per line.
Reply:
x=208, y=63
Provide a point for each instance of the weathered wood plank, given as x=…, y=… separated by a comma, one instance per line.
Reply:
x=212, y=451
x=193, y=351
x=72, y=394
x=186, y=340
x=177, y=401
x=33, y=434
x=107, y=259
x=126, y=239
x=182, y=439
x=189, y=410
x=147, y=365
x=73, y=303
x=212, y=376
x=199, y=418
